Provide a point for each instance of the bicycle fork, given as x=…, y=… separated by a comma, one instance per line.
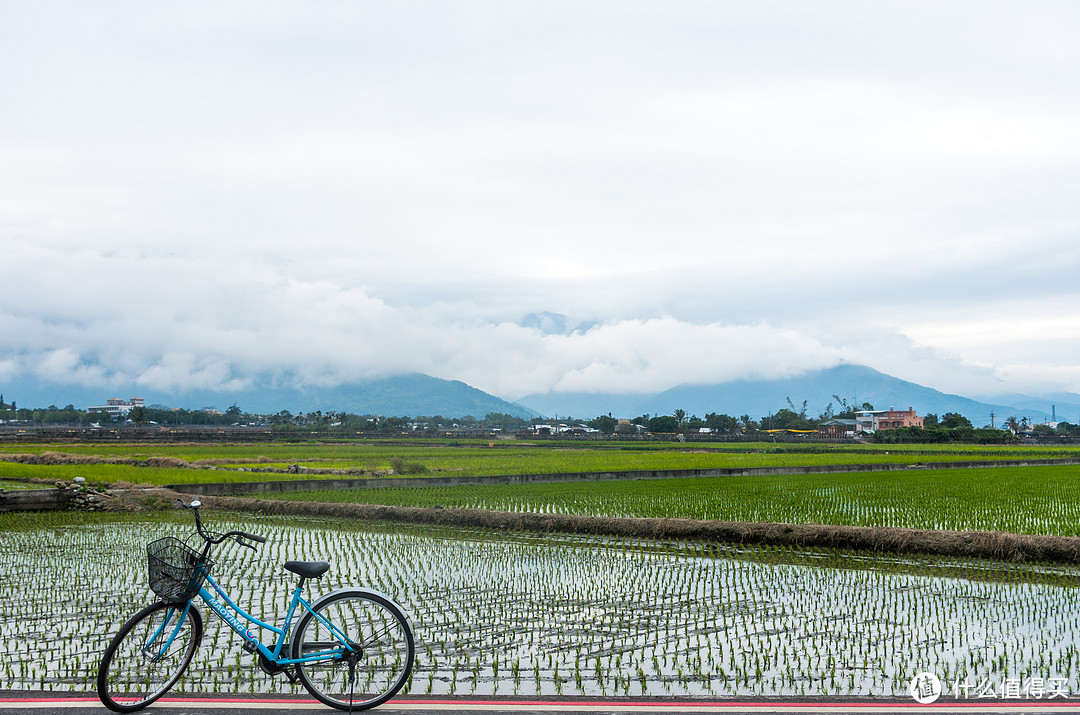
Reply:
x=149, y=645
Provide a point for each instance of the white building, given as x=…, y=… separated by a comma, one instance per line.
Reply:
x=117, y=408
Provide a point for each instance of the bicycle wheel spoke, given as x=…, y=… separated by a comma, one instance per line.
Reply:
x=370, y=640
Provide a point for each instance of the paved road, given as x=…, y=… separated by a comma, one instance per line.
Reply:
x=47, y=704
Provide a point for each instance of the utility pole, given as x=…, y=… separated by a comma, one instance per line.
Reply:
x=991, y=420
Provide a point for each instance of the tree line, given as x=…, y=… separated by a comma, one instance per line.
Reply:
x=948, y=427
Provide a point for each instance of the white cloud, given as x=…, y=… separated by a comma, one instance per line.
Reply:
x=66, y=365
x=177, y=371
x=192, y=198
x=236, y=324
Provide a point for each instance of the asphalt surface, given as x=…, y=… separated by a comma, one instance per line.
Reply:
x=53, y=704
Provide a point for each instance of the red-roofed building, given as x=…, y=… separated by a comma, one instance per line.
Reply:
x=875, y=420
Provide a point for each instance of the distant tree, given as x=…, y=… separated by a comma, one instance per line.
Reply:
x=694, y=424
x=721, y=422
x=846, y=412
x=680, y=417
x=605, y=423
x=281, y=419
x=57, y=415
x=952, y=420
x=1012, y=424
x=663, y=424
x=137, y=414
x=503, y=420
x=800, y=411
x=393, y=424
x=787, y=419
x=1044, y=431
x=930, y=420
x=941, y=435
x=1068, y=428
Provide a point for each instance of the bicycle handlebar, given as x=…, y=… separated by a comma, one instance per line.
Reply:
x=237, y=535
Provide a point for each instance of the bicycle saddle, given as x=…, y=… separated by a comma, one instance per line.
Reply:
x=308, y=569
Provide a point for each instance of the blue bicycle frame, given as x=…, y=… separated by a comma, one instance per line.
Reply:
x=252, y=642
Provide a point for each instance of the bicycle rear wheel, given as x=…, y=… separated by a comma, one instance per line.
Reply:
x=374, y=664
x=148, y=655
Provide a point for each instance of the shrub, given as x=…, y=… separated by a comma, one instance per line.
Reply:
x=400, y=466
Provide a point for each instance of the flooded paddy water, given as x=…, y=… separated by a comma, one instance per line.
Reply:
x=528, y=614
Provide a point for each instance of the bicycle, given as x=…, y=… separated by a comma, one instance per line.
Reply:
x=352, y=649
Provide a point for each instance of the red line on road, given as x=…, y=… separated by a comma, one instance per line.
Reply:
x=595, y=703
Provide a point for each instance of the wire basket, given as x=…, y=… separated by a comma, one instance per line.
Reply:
x=176, y=570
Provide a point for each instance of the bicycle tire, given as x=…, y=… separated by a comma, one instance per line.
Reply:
x=128, y=679
x=379, y=668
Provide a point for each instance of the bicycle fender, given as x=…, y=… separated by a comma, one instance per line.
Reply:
x=364, y=592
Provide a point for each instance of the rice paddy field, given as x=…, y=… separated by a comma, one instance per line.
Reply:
x=548, y=614
x=171, y=464
x=1022, y=500
x=498, y=613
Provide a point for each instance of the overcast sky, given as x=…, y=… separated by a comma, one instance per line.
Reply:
x=195, y=194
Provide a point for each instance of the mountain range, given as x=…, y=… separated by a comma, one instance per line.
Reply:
x=854, y=383
x=416, y=394
x=413, y=394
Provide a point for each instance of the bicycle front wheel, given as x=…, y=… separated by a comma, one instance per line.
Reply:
x=148, y=656
x=366, y=646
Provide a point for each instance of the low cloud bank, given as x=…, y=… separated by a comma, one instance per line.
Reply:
x=239, y=326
